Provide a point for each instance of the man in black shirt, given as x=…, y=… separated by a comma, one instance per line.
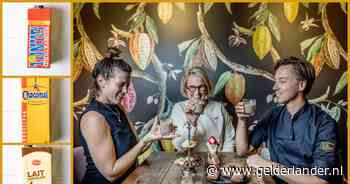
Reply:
x=298, y=134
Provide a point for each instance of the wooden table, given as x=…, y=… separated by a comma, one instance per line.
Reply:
x=161, y=169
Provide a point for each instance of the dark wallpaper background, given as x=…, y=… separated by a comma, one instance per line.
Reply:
x=183, y=26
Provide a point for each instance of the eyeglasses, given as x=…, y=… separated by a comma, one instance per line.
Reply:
x=201, y=88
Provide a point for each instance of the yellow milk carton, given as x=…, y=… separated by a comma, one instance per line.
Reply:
x=35, y=110
x=37, y=165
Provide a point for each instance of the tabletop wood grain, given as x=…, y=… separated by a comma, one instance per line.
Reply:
x=160, y=169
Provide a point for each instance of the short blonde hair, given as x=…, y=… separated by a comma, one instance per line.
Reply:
x=199, y=72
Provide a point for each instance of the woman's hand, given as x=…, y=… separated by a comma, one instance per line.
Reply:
x=155, y=133
x=190, y=106
x=240, y=112
x=194, y=107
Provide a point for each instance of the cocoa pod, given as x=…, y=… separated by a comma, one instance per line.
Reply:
x=331, y=53
x=90, y=54
x=235, y=88
x=141, y=48
x=77, y=66
x=318, y=62
x=262, y=42
x=291, y=10
x=165, y=12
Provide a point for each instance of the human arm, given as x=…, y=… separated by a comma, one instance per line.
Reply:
x=246, y=142
x=325, y=154
x=96, y=132
x=242, y=136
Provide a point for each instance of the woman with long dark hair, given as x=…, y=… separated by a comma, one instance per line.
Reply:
x=108, y=138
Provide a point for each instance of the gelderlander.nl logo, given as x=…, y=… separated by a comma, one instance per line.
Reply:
x=270, y=171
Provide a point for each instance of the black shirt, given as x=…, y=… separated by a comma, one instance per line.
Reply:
x=122, y=136
x=306, y=140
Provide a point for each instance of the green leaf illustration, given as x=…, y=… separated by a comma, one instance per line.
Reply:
x=96, y=8
x=315, y=48
x=138, y=21
x=152, y=28
x=307, y=43
x=191, y=52
x=220, y=84
x=343, y=7
x=243, y=30
x=274, y=26
x=228, y=7
x=130, y=7
x=207, y=6
x=184, y=45
x=76, y=8
x=251, y=5
x=321, y=6
x=335, y=113
x=343, y=81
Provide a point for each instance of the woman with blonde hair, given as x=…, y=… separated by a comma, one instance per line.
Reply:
x=206, y=118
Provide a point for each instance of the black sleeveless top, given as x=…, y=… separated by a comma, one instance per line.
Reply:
x=122, y=136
